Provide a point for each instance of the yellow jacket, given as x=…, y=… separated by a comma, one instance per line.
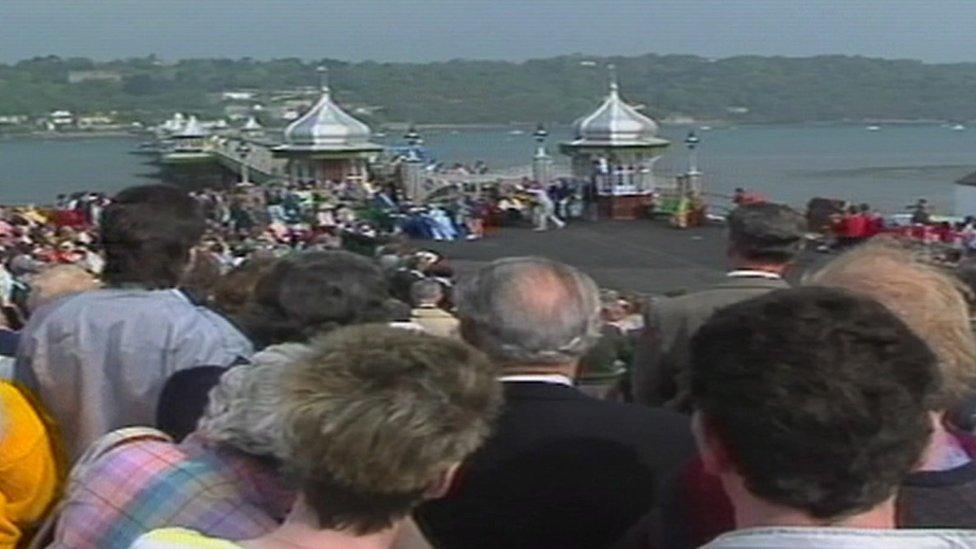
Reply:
x=29, y=473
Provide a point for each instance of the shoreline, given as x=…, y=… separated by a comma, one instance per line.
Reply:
x=524, y=126
x=67, y=135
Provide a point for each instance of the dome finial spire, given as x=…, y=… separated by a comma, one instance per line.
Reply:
x=323, y=78
x=612, y=70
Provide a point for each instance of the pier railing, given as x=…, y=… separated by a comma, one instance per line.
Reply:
x=261, y=163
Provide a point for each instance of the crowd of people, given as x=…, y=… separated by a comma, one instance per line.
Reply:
x=856, y=223
x=255, y=369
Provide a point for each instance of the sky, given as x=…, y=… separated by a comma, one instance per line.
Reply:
x=435, y=30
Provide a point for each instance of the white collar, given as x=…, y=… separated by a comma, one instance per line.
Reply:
x=749, y=273
x=556, y=379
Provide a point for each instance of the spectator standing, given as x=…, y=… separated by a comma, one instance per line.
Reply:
x=426, y=296
x=99, y=359
x=31, y=467
x=941, y=492
x=373, y=421
x=562, y=469
x=222, y=480
x=764, y=238
x=812, y=407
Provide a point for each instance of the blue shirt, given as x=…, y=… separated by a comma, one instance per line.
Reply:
x=99, y=359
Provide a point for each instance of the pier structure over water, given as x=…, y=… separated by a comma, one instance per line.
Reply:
x=614, y=150
x=327, y=143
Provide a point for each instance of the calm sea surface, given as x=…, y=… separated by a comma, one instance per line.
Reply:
x=890, y=168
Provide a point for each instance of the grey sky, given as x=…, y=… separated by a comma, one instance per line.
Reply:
x=425, y=30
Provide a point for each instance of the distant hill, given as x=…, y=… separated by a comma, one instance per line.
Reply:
x=746, y=89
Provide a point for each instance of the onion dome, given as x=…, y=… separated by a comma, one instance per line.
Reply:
x=616, y=123
x=193, y=128
x=252, y=125
x=326, y=126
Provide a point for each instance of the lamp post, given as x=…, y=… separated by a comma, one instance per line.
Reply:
x=540, y=135
x=413, y=140
x=412, y=176
x=243, y=150
x=692, y=143
x=541, y=162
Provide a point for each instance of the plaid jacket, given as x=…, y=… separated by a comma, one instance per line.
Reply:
x=149, y=484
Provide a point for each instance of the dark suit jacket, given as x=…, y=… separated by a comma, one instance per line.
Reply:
x=561, y=470
x=662, y=355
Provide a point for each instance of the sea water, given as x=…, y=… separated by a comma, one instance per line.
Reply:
x=888, y=169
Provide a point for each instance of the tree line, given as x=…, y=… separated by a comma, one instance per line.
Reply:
x=744, y=89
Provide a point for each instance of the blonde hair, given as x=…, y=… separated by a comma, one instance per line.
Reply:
x=929, y=301
x=376, y=415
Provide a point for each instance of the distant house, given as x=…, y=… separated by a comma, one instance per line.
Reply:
x=95, y=121
x=61, y=118
x=237, y=96
x=77, y=77
x=13, y=119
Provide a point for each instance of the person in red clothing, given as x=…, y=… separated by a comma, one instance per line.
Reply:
x=858, y=225
x=847, y=227
x=875, y=222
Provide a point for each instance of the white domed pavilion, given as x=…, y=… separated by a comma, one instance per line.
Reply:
x=326, y=143
x=614, y=150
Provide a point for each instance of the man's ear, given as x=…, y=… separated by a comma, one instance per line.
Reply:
x=442, y=485
x=714, y=454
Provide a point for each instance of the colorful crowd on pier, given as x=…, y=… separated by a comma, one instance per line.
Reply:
x=284, y=367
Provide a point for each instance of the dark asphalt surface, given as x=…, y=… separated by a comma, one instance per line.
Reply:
x=645, y=256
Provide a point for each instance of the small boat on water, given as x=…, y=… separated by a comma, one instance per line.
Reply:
x=516, y=132
x=958, y=128
x=705, y=128
x=873, y=128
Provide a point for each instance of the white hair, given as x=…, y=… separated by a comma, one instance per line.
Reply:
x=531, y=310
x=241, y=411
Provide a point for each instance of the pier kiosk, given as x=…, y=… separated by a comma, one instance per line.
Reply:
x=327, y=143
x=613, y=152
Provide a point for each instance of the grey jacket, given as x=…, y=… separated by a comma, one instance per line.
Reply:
x=662, y=355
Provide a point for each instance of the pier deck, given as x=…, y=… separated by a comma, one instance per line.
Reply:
x=643, y=256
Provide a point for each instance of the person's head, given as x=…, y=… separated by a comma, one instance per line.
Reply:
x=58, y=281
x=308, y=293
x=426, y=292
x=375, y=419
x=241, y=409
x=764, y=234
x=928, y=300
x=147, y=232
x=865, y=208
x=529, y=311
x=235, y=289
x=611, y=306
x=813, y=399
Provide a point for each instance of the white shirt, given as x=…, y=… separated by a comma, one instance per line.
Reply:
x=557, y=379
x=749, y=273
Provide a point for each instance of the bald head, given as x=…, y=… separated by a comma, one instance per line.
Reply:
x=530, y=310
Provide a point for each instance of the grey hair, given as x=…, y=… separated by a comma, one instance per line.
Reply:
x=530, y=310
x=426, y=290
x=241, y=411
